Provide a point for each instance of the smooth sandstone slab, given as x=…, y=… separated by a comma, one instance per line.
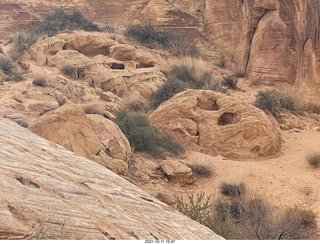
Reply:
x=48, y=192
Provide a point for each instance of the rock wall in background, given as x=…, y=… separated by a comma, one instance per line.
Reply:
x=272, y=40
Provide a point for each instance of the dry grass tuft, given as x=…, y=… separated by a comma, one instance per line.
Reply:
x=313, y=159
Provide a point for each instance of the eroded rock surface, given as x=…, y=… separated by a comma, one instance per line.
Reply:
x=100, y=141
x=48, y=192
x=215, y=123
x=272, y=40
x=102, y=62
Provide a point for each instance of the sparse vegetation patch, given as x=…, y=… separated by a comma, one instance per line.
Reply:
x=200, y=170
x=232, y=190
x=268, y=100
x=313, y=159
x=69, y=70
x=182, y=76
x=52, y=24
x=248, y=216
x=144, y=137
x=230, y=82
x=41, y=81
x=277, y=102
x=156, y=37
x=6, y=64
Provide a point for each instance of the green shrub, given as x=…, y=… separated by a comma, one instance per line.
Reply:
x=230, y=82
x=39, y=82
x=144, y=137
x=313, y=159
x=197, y=209
x=200, y=170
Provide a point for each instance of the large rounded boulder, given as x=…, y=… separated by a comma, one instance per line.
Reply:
x=215, y=123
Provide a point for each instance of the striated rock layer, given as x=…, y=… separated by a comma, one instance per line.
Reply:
x=48, y=192
x=271, y=40
x=215, y=123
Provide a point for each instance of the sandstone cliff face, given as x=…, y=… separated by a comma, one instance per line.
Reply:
x=48, y=192
x=272, y=40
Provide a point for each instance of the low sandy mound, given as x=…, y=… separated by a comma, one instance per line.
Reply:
x=47, y=191
x=215, y=123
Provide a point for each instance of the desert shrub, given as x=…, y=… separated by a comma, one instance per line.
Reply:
x=313, y=159
x=6, y=64
x=230, y=82
x=197, y=208
x=92, y=110
x=307, y=107
x=108, y=28
x=136, y=106
x=144, y=137
x=166, y=91
x=53, y=23
x=180, y=46
x=232, y=190
x=68, y=70
x=167, y=142
x=182, y=76
x=58, y=21
x=200, y=170
x=268, y=100
x=249, y=216
x=156, y=37
x=286, y=102
x=295, y=223
x=277, y=102
x=149, y=35
x=187, y=74
x=215, y=84
x=41, y=81
x=16, y=76
x=23, y=40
